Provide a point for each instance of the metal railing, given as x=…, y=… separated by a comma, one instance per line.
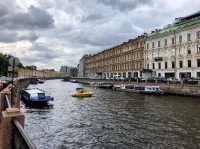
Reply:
x=8, y=104
x=20, y=138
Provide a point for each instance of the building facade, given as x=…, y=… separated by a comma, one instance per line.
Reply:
x=81, y=66
x=123, y=61
x=45, y=73
x=69, y=71
x=174, y=52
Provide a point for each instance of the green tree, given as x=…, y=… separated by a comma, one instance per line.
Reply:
x=3, y=65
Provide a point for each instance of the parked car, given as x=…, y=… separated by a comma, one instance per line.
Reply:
x=151, y=80
x=173, y=81
x=191, y=81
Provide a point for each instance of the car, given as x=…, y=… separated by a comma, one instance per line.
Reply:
x=151, y=80
x=173, y=81
x=191, y=81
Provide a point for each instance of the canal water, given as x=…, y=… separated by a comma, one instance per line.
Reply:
x=113, y=120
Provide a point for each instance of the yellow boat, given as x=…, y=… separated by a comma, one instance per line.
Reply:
x=80, y=92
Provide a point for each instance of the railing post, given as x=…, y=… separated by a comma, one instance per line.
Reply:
x=7, y=116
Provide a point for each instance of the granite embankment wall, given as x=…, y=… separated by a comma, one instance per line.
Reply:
x=12, y=134
x=174, y=89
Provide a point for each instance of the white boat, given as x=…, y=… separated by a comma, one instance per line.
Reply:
x=102, y=84
x=147, y=89
x=143, y=89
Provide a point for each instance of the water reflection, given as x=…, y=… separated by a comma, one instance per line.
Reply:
x=113, y=120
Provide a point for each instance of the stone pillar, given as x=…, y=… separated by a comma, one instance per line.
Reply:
x=6, y=126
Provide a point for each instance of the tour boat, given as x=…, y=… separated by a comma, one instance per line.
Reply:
x=105, y=85
x=142, y=89
x=73, y=81
x=81, y=92
x=147, y=89
x=35, y=97
x=40, y=81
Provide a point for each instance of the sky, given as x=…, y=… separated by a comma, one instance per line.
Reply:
x=52, y=33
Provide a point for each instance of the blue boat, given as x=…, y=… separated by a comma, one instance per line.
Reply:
x=35, y=97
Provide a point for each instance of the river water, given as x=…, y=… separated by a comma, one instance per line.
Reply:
x=113, y=120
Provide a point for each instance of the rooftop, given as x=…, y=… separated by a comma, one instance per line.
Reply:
x=181, y=23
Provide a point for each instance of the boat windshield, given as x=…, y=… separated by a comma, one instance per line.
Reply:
x=41, y=95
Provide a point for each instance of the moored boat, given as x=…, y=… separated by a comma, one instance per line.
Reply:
x=73, y=81
x=35, y=97
x=40, y=81
x=105, y=85
x=147, y=89
x=142, y=89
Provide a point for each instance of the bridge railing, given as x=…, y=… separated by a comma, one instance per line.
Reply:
x=12, y=133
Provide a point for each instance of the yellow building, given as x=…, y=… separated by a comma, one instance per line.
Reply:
x=125, y=60
x=47, y=73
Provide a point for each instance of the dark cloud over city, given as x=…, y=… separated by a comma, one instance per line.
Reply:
x=51, y=33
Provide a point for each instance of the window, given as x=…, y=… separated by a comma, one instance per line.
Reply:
x=147, y=66
x=173, y=64
x=188, y=37
x=198, y=62
x=198, y=48
x=173, y=40
x=179, y=50
x=198, y=74
x=189, y=63
x=153, y=65
x=165, y=65
x=147, y=45
x=188, y=51
x=159, y=65
x=158, y=43
x=180, y=39
x=198, y=35
x=159, y=75
x=152, y=44
x=181, y=64
x=165, y=42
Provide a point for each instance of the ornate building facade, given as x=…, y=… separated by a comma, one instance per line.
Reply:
x=123, y=61
x=174, y=52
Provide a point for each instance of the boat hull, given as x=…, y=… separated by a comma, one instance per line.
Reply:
x=82, y=95
x=29, y=102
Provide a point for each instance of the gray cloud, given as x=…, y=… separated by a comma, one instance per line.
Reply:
x=34, y=18
x=3, y=10
x=40, y=54
x=92, y=17
x=14, y=36
x=69, y=29
x=124, y=5
x=45, y=53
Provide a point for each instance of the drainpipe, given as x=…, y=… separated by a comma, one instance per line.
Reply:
x=175, y=68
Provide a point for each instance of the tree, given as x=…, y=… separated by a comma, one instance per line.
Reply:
x=3, y=65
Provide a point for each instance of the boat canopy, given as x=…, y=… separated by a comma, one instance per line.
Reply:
x=34, y=92
x=79, y=88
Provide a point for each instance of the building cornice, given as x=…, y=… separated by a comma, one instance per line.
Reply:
x=176, y=28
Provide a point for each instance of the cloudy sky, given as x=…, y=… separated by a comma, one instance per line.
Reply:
x=51, y=33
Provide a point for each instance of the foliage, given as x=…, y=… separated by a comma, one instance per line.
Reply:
x=3, y=65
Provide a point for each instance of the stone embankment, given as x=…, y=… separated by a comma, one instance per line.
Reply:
x=12, y=134
x=174, y=89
